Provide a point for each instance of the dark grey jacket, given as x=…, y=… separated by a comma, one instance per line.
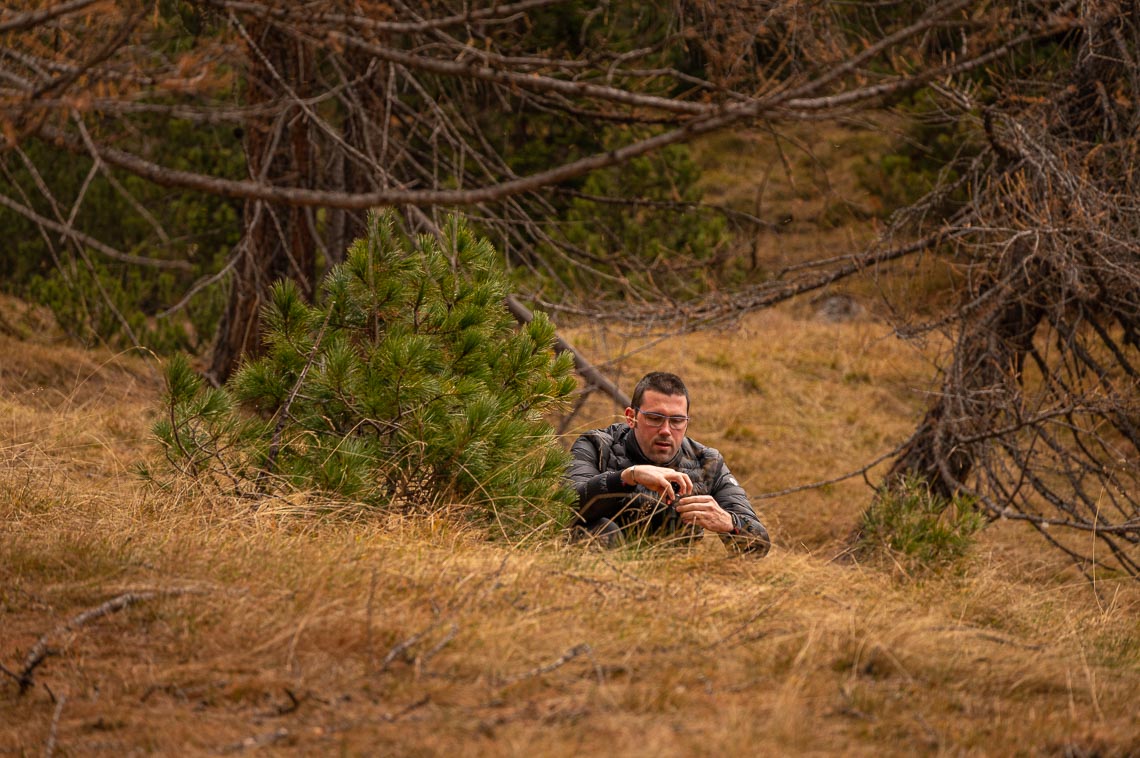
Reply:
x=599, y=457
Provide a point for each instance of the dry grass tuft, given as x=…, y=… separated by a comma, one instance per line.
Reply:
x=296, y=629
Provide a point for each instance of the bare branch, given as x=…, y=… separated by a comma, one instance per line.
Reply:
x=252, y=190
x=23, y=21
x=83, y=239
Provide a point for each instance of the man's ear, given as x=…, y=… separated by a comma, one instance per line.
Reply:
x=630, y=415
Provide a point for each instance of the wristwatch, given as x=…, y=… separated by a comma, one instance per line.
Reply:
x=735, y=524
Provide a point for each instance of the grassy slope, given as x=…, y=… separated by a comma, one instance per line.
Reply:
x=413, y=636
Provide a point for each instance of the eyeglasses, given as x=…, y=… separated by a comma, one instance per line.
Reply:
x=657, y=420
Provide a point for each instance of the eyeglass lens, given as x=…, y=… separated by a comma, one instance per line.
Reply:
x=656, y=420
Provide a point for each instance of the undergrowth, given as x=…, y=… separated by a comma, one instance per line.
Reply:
x=917, y=529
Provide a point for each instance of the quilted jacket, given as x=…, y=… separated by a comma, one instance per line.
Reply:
x=599, y=457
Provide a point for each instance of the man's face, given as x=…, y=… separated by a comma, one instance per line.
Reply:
x=659, y=444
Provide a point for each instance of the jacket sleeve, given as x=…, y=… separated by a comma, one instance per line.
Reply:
x=748, y=535
x=601, y=493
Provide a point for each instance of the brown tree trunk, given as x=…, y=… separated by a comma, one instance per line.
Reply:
x=279, y=240
x=363, y=108
x=983, y=380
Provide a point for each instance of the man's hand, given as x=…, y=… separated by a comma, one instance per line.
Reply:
x=704, y=511
x=658, y=479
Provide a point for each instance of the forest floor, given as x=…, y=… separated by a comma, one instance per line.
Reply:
x=139, y=620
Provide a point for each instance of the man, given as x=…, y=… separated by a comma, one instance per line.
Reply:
x=645, y=476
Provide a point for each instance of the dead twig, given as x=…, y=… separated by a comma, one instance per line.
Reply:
x=422, y=660
x=49, y=746
x=294, y=704
x=736, y=636
x=257, y=741
x=487, y=584
x=987, y=636
x=400, y=647
x=407, y=709
x=368, y=622
x=5, y=670
x=582, y=649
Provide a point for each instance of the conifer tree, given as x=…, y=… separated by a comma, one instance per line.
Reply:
x=408, y=384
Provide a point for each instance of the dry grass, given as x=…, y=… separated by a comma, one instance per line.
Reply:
x=306, y=634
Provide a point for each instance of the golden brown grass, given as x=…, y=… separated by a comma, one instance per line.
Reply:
x=293, y=632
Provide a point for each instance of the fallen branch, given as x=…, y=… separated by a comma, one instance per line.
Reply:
x=40, y=651
x=585, y=369
x=569, y=655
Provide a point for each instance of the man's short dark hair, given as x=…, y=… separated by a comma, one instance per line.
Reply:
x=663, y=382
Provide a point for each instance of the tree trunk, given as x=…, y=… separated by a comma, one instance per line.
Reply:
x=983, y=381
x=279, y=240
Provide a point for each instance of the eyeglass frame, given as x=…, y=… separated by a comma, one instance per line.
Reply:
x=663, y=420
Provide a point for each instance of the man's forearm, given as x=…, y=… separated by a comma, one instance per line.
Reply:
x=601, y=496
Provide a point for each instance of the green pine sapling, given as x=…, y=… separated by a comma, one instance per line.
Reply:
x=407, y=384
